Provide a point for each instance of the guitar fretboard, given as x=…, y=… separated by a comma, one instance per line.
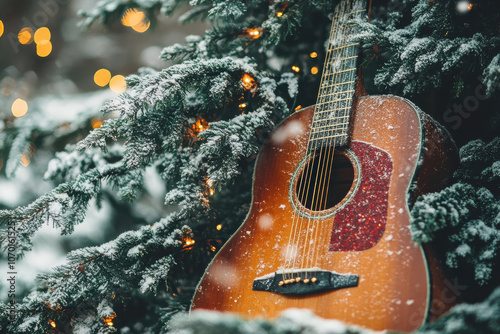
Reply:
x=331, y=120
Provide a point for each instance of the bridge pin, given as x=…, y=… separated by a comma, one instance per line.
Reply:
x=306, y=280
x=314, y=279
x=281, y=283
x=298, y=279
x=291, y=281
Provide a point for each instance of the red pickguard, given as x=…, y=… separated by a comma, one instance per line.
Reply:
x=361, y=223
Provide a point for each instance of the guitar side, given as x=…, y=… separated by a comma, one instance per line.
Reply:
x=395, y=284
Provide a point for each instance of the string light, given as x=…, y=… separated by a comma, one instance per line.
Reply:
x=96, y=123
x=314, y=70
x=298, y=107
x=102, y=77
x=200, y=126
x=254, y=33
x=279, y=14
x=188, y=242
x=219, y=227
x=248, y=82
x=213, y=248
x=109, y=320
x=313, y=55
x=19, y=108
x=42, y=34
x=296, y=69
x=52, y=323
x=136, y=19
x=25, y=36
x=470, y=6
x=118, y=84
x=44, y=48
x=1, y=28
x=243, y=105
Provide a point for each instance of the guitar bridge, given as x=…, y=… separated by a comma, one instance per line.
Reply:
x=304, y=281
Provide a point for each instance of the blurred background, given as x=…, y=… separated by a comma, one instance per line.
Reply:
x=54, y=76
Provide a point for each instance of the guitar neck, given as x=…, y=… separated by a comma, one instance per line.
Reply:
x=332, y=115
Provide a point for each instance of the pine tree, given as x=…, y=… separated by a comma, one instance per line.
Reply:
x=199, y=123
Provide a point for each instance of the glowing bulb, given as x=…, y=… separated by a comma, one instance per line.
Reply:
x=25, y=36
x=42, y=34
x=279, y=14
x=118, y=84
x=470, y=6
x=1, y=28
x=44, y=48
x=212, y=192
x=102, y=77
x=298, y=107
x=295, y=69
x=314, y=70
x=248, y=82
x=96, y=123
x=52, y=323
x=313, y=55
x=219, y=227
x=254, y=33
x=19, y=108
x=243, y=105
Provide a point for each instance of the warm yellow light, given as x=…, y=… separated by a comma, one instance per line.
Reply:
x=248, y=82
x=188, y=242
x=298, y=107
x=19, y=108
x=279, y=14
x=102, y=77
x=25, y=36
x=109, y=320
x=52, y=323
x=211, y=191
x=295, y=69
x=132, y=17
x=1, y=28
x=314, y=70
x=142, y=26
x=243, y=105
x=118, y=84
x=219, y=227
x=470, y=6
x=44, y=48
x=96, y=123
x=313, y=55
x=254, y=33
x=42, y=34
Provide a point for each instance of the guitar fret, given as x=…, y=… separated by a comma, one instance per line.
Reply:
x=336, y=127
x=327, y=137
x=333, y=101
x=342, y=47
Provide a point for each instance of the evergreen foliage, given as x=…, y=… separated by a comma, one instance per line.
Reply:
x=199, y=125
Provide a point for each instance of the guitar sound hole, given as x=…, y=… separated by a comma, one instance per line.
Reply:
x=323, y=184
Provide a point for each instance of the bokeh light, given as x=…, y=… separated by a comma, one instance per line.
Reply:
x=8, y=86
x=132, y=17
x=42, y=34
x=44, y=48
x=1, y=28
x=142, y=26
x=118, y=84
x=25, y=35
x=102, y=77
x=314, y=70
x=313, y=54
x=19, y=108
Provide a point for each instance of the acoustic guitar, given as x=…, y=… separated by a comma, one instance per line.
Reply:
x=329, y=227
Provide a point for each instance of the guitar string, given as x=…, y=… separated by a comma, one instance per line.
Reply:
x=347, y=106
x=327, y=162
x=291, y=250
x=307, y=245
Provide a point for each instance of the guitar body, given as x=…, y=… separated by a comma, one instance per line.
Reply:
x=395, y=153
